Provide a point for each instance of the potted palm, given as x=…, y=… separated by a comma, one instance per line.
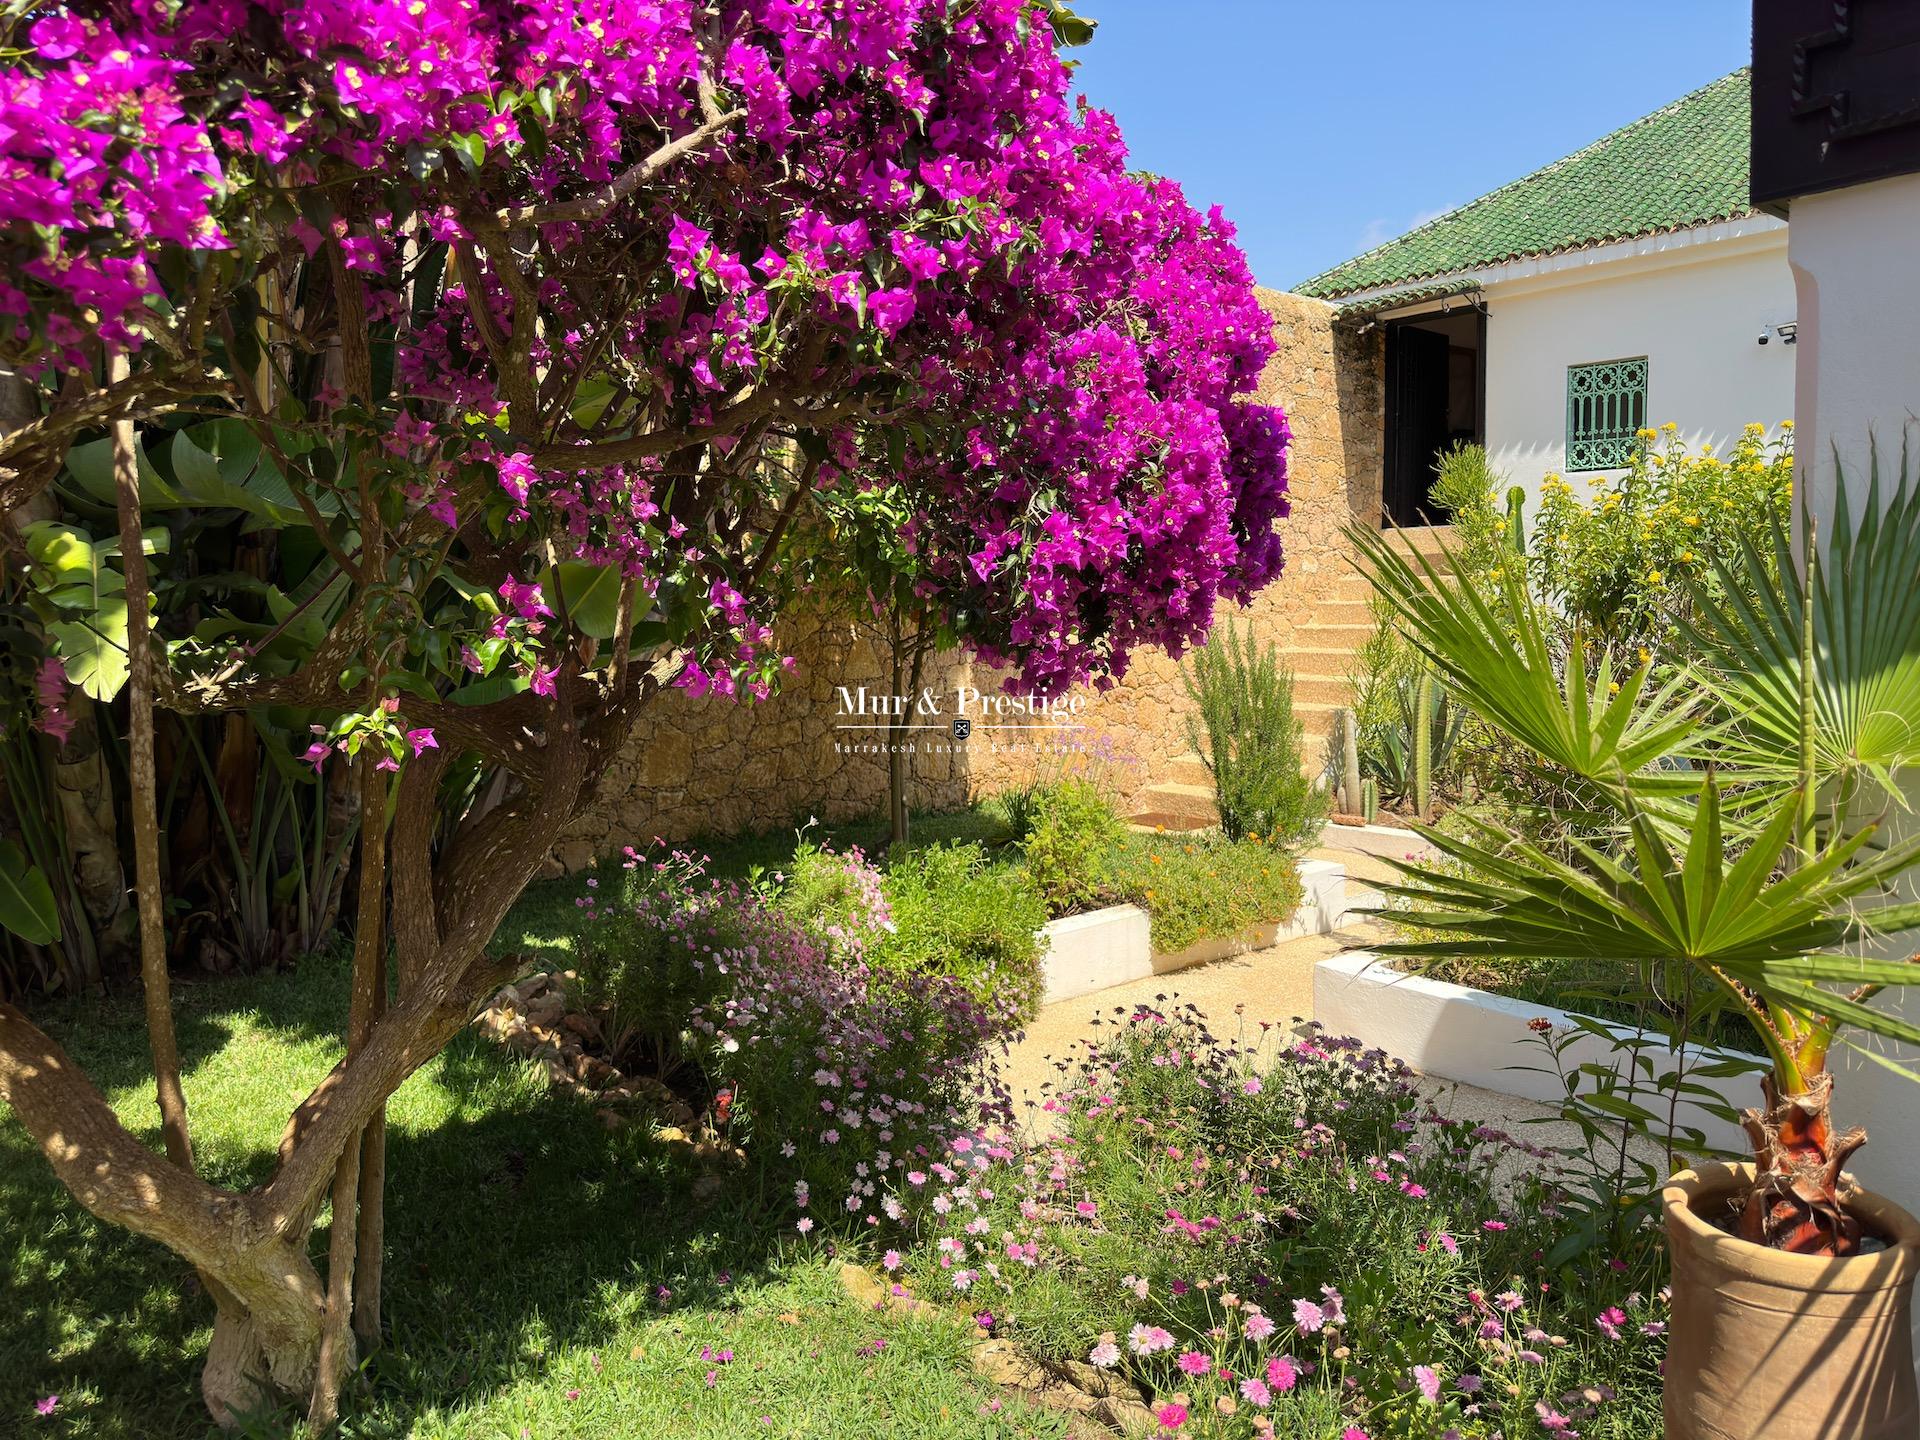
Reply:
x=1735, y=819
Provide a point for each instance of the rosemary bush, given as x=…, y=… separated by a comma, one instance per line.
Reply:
x=1244, y=728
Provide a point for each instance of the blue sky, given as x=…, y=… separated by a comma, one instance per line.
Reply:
x=1324, y=129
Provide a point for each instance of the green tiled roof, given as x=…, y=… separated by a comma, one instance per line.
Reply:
x=1442, y=290
x=1685, y=164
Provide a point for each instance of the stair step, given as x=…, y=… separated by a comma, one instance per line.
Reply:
x=1343, y=612
x=1428, y=540
x=1324, y=689
x=1318, y=659
x=1189, y=769
x=1183, y=801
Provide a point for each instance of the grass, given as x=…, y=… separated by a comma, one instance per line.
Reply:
x=531, y=1254
x=541, y=922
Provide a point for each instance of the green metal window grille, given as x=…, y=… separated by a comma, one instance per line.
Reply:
x=1606, y=406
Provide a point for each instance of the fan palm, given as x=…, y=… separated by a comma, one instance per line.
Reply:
x=1731, y=820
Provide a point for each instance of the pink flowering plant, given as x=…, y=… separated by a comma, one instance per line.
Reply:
x=1284, y=1238
x=845, y=1080
x=838, y=897
x=529, y=335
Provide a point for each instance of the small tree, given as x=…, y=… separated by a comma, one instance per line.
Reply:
x=530, y=331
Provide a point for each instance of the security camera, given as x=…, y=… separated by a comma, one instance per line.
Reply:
x=1764, y=336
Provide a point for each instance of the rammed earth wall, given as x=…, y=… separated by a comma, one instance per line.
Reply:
x=711, y=766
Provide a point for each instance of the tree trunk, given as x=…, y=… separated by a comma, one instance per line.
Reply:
x=140, y=781
x=1795, y=1201
x=273, y=1315
x=353, y=1185
x=83, y=790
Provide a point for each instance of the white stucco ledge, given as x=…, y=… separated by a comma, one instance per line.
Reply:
x=1388, y=840
x=1111, y=946
x=1454, y=1032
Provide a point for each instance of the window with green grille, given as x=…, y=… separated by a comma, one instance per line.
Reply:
x=1606, y=405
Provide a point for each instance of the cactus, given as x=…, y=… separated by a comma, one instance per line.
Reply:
x=1349, y=762
x=1369, y=800
x=1423, y=743
x=1516, y=520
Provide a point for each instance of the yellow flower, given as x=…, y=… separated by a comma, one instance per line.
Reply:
x=1645, y=434
x=1693, y=519
x=1654, y=577
x=1754, y=427
x=1786, y=424
x=1613, y=687
x=1686, y=557
x=1644, y=655
x=1670, y=427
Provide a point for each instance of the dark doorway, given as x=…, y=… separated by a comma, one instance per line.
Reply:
x=1435, y=400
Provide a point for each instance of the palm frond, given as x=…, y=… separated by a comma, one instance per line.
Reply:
x=1764, y=922
x=1500, y=664
x=1859, y=586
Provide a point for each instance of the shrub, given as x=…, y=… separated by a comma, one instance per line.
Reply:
x=836, y=897
x=1484, y=534
x=1297, y=1235
x=1094, y=761
x=1204, y=886
x=641, y=956
x=1623, y=561
x=1243, y=697
x=1069, y=846
x=957, y=916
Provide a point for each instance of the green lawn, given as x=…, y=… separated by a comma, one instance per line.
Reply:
x=544, y=1278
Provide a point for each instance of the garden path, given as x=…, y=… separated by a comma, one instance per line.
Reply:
x=1238, y=995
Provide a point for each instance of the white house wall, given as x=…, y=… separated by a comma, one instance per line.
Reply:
x=1694, y=311
x=1859, y=364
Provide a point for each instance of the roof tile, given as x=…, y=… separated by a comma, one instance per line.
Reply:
x=1685, y=164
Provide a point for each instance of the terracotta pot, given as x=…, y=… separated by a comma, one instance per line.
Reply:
x=1769, y=1346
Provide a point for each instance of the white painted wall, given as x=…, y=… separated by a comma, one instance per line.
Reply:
x=1693, y=310
x=1858, y=361
x=1853, y=254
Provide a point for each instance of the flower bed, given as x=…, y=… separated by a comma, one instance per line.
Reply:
x=779, y=1042
x=1293, y=1246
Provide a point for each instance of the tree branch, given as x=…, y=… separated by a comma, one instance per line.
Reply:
x=596, y=203
x=140, y=780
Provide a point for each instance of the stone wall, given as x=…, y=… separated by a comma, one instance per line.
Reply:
x=710, y=766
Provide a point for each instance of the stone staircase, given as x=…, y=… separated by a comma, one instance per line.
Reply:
x=1321, y=653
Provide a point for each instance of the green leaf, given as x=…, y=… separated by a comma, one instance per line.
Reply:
x=494, y=687
x=592, y=595
x=91, y=466
x=94, y=650
x=26, y=899
x=234, y=475
x=65, y=550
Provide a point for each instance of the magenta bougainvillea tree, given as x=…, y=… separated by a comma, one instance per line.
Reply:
x=520, y=339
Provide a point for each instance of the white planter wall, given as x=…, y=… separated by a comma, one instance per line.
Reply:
x=1104, y=948
x=1477, y=1038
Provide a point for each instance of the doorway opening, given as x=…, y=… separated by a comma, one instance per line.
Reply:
x=1436, y=399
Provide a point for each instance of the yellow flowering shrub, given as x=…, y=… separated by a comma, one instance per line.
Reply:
x=1622, y=559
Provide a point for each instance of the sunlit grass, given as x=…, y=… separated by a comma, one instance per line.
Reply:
x=544, y=1277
